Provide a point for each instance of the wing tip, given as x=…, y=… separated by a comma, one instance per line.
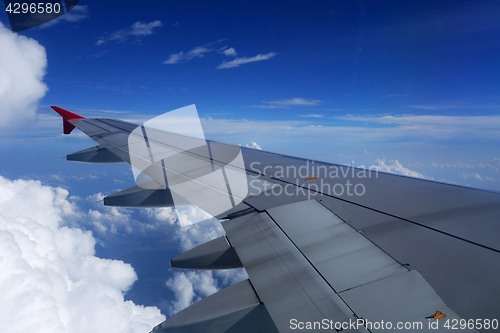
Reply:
x=66, y=115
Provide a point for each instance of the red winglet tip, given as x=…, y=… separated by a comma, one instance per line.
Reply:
x=66, y=114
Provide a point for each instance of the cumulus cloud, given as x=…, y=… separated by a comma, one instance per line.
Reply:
x=395, y=167
x=76, y=14
x=287, y=103
x=254, y=145
x=50, y=278
x=105, y=220
x=138, y=29
x=23, y=63
x=194, y=234
x=118, y=220
x=37, y=218
x=189, y=287
x=245, y=60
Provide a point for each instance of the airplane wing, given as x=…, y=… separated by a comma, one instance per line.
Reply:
x=326, y=246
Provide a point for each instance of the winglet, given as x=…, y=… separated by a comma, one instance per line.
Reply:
x=68, y=127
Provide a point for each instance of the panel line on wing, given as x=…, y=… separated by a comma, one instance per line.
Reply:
x=377, y=210
x=147, y=143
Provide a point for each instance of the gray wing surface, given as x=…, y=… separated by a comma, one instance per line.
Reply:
x=397, y=250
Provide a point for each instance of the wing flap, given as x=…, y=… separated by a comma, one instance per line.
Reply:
x=307, y=265
x=334, y=246
x=282, y=277
x=405, y=298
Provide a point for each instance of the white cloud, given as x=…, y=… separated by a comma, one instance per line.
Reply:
x=432, y=126
x=230, y=52
x=76, y=14
x=287, y=103
x=197, y=52
x=393, y=95
x=452, y=106
x=312, y=115
x=50, y=278
x=477, y=177
x=138, y=29
x=162, y=214
x=189, y=215
x=194, y=234
x=144, y=29
x=23, y=63
x=228, y=277
x=253, y=145
x=245, y=60
x=489, y=165
x=118, y=220
x=395, y=167
x=452, y=165
x=190, y=287
x=200, y=51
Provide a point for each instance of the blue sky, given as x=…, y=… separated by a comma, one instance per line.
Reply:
x=410, y=87
x=325, y=60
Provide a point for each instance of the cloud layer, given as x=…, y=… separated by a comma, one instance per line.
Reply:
x=50, y=279
x=395, y=167
x=23, y=63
